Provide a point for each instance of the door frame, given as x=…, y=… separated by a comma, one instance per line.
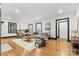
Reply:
x=67, y=20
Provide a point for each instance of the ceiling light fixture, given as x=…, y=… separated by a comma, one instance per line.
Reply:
x=17, y=11
x=60, y=11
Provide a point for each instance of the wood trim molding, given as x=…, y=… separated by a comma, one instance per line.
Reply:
x=67, y=19
x=8, y=37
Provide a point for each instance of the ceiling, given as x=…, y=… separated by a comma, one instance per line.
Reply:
x=33, y=11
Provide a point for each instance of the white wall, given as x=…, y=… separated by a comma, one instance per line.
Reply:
x=4, y=28
x=72, y=20
x=77, y=16
x=22, y=26
x=37, y=21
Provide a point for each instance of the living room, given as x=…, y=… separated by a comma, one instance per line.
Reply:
x=22, y=23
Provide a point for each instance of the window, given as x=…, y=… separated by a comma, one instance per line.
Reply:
x=30, y=27
x=12, y=27
x=39, y=27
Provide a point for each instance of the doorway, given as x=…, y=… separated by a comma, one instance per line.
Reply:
x=62, y=28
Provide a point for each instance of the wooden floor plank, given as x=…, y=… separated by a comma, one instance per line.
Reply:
x=53, y=48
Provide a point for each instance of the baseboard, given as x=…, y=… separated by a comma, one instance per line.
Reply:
x=52, y=38
x=69, y=40
x=7, y=37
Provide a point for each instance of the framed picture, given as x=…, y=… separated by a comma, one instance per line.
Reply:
x=12, y=27
x=39, y=27
x=30, y=27
x=48, y=26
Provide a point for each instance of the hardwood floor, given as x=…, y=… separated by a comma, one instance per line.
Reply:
x=53, y=48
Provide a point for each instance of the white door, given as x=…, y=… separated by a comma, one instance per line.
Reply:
x=63, y=30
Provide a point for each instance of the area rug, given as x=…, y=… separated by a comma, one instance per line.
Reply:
x=5, y=47
x=25, y=44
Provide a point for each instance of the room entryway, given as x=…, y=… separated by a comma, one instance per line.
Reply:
x=62, y=28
